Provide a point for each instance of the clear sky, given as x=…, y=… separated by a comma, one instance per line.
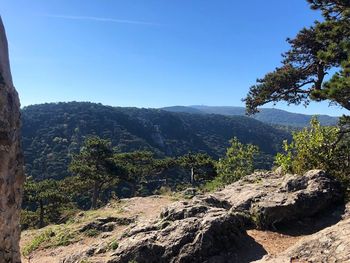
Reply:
x=149, y=53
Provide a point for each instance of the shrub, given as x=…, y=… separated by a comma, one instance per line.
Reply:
x=113, y=245
x=317, y=147
x=238, y=162
x=213, y=185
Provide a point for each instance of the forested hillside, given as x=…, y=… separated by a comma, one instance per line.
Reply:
x=266, y=115
x=53, y=132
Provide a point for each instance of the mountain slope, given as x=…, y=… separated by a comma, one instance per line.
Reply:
x=267, y=115
x=52, y=132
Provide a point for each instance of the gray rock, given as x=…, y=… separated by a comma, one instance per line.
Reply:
x=106, y=224
x=211, y=228
x=77, y=256
x=268, y=199
x=11, y=160
x=214, y=236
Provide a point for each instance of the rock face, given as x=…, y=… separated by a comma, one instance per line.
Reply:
x=11, y=160
x=188, y=232
x=267, y=199
x=211, y=228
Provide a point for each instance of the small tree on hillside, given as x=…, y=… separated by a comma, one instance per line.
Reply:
x=142, y=167
x=95, y=164
x=45, y=198
x=200, y=166
x=238, y=162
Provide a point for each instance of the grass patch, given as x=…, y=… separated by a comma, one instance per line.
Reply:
x=52, y=237
x=37, y=242
x=68, y=233
x=113, y=245
x=92, y=232
x=213, y=185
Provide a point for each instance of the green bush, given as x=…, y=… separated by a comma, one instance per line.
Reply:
x=113, y=245
x=213, y=185
x=317, y=147
x=238, y=162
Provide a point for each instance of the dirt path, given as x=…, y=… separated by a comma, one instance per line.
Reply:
x=144, y=208
x=273, y=242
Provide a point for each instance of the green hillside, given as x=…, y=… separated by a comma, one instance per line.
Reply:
x=52, y=132
x=266, y=115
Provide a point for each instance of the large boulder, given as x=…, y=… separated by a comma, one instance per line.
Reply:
x=187, y=232
x=267, y=199
x=212, y=228
x=11, y=160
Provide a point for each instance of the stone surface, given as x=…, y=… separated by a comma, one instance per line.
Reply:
x=11, y=160
x=107, y=224
x=212, y=228
x=329, y=245
x=267, y=199
x=213, y=236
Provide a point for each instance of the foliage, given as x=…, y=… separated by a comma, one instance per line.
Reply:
x=317, y=147
x=52, y=236
x=213, y=185
x=275, y=117
x=45, y=202
x=92, y=232
x=113, y=245
x=315, y=52
x=238, y=162
x=201, y=166
x=53, y=133
x=320, y=50
x=95, y=165
x=37, y=241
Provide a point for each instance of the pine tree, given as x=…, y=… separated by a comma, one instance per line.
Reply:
x=96, y=166
x=315, y=52
x=46, y=198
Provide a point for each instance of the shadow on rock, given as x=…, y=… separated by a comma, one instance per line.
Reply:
x=311, y=225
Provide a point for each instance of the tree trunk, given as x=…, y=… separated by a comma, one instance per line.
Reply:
x=95, y=194
x=192, y=175
x=41, y=216
x=11, y=160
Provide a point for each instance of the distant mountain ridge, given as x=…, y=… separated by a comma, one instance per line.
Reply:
x=266, y=115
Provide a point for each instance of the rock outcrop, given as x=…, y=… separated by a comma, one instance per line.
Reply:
x=267, y=199
x=196, y=231
x=11, y=160
x=212, y=228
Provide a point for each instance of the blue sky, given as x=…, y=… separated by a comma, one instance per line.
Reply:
x=149, y=53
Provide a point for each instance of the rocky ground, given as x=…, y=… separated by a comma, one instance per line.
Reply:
x=263, y=218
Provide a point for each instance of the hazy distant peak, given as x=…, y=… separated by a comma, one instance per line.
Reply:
x=267, y=115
